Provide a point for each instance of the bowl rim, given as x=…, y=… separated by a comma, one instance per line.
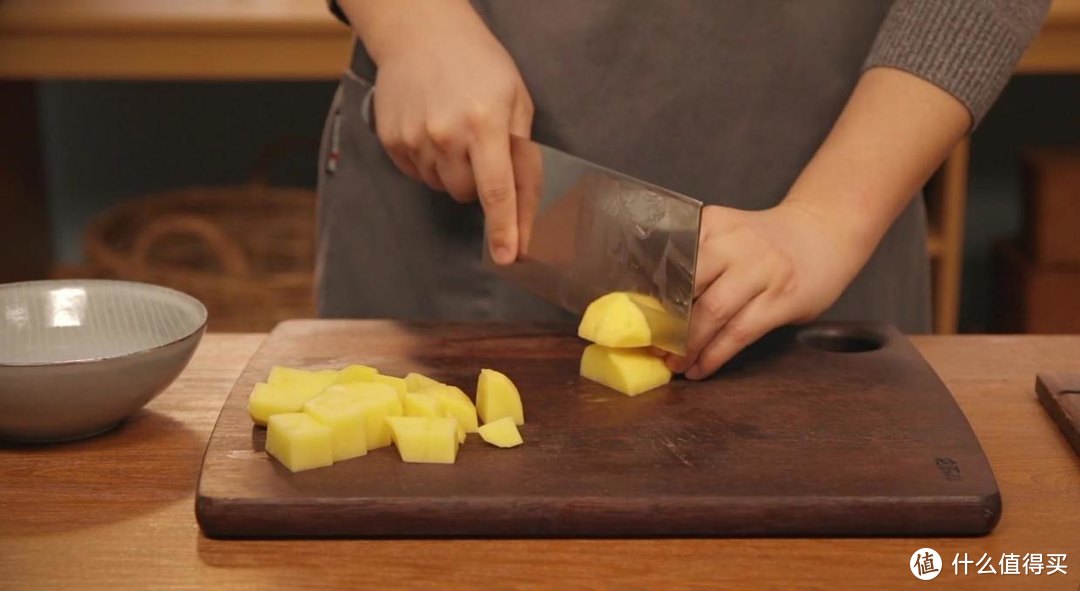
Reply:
x=197, y=305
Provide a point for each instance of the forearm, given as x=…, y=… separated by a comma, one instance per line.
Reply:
x=895, y=130
x=385, y=26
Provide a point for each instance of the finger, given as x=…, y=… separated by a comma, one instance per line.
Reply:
x=521, y=115
x=456, y=175
x=424, y=158
x=400, y=158
x=729, y=294
x=750, y=324
x=529, y=179
x=494, y=174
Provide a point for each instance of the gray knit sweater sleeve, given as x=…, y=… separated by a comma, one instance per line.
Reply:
x=968, y=48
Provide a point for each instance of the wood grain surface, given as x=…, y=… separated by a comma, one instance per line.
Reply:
x=798, y=438
x=117, y=511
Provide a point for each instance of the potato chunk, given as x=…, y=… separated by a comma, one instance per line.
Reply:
x=501, y=433
x=457, y=403
x=398, y=384
x=267, y=400
x=377, y=402
x=498, y=397
x=302, y=380
x=356, y=373
x=615, y=320
x=630, y=371
x=345, y=416
x=414, y=382
x=299, y=441
x=425, y=439
x=422, y=405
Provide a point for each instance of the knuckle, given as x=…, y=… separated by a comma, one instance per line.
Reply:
x=442, y=134
x=714, y=308
x=412, y=138
x=496, y=194
x=478, y=116
x=738, y=334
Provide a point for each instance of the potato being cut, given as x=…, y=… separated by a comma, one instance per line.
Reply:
x=415, y=382
x=345, y=416
x=501, y=433
x=498, y=397
x=615, y=320
x=267, y=400
x=630, y=371
x=424, y=439
x=299, y=441
x=377, y=401
x=398, y=384
x=457, y=403
x=356, y=373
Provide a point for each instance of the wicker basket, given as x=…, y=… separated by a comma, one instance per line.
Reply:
x=246, y=251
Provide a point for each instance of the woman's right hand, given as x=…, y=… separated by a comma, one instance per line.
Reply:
x=448, y=98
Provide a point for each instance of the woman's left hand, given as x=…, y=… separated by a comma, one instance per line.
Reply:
x=758, y=270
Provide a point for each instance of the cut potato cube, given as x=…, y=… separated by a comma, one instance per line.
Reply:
x=615, y=320
x=630, y=371
x=457, y=403
x=267, y=400
x=498, y=397
x=425, y=439
x=302, y=378
x=415, y=382
x=377, y=402
x=356, y=373
x=501, y=433
x=398, y=384
x=345, y=416
x=299, y=441
x=423, y=405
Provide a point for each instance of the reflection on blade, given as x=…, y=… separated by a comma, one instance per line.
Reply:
x=589, y=231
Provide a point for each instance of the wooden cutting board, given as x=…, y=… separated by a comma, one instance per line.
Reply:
x=830, y=430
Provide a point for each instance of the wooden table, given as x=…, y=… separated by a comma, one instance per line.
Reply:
x=117, y=511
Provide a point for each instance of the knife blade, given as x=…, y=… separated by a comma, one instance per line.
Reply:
x=587, y=231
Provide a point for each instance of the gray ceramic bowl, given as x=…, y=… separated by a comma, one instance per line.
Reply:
x=78, y=356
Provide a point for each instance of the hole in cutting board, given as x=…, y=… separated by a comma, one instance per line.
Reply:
x=842, y=339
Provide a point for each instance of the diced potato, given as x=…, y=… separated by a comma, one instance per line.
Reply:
x=501, y=433
x=425, y=439
x=377, y=402
x=267, y=400
x=345, y=416
x=356, y=373
x=498, y=397
x=422, y=405
x=630, y=371
x=302, y=378
x=614, y=320
x=299, y=441
x=398, y=384
x=415, y=382
x=457, y=403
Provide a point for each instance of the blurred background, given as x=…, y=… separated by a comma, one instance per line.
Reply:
x=175, y=142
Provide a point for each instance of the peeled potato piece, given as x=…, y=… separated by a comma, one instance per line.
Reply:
x=630, y=371
x=498, y=397
x=356, y=373
x=425, y=440
x=501, y=433
x=377, y=402
x=457, y=403
x=299, y=441
x=615, y=320
x=267, y=400
x=414, y=382
x=346, y=417
x=398, y=384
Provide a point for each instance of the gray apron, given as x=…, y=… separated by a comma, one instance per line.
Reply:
x=723, y=101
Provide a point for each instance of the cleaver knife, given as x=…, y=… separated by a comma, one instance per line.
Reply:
x=587, y=231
